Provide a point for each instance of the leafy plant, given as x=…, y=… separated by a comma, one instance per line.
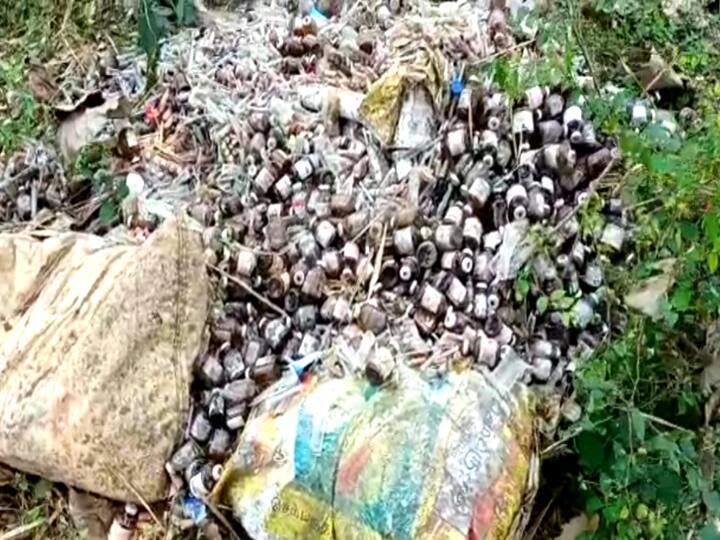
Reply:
x=93, y=165
x=156, y=18
x=639, y=471
x=614, y=30
x=21, y=118
x=553, y=68
x=41, y=25
x=642, y=443
x=639, y=448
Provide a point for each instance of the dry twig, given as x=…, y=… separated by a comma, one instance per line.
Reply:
x=140, y=498
x=251, y=291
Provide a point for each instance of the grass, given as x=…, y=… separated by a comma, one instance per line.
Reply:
x=39, y=23
x=34, y=505
x=20, y=113
x=41, y=32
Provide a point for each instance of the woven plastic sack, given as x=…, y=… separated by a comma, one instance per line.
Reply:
x=97, y=342
x=441, y=459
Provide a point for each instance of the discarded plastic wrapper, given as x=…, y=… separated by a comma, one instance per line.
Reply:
x=381, y=107
x=318, y=16
x=314, y=96
x=415, y=127
x=514, y=250
x=342, y=459
x=194, y=509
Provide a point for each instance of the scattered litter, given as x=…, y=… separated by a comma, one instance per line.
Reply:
x=194, y=509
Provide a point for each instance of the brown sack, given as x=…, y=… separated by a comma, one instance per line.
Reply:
x=97, y=344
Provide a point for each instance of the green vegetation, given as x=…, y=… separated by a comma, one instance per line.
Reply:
x=43, y=33
x=93, y=167
x=19, y=111
x=644, y=450
x=41, y=24
x=35, y=506
x=643, y=435
x=72, y=24
x=156, y=18
x=618, y=31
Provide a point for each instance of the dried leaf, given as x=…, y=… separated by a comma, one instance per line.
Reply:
x=90, y=514
x=656, y=74
x=648, y=295
x=7, y=476
x=41, y=83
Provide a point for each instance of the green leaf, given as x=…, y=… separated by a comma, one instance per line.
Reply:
x=107, y=212
x=542, y=305
x=593, y=504
x=638, y=424
x=661, y=164
x=34, y=514
x=688, y=448
x=669, y=485
x=694, y=479
x=690, y=231
x=150, y=22
x=557, y=295
x=620, y=466
x=663, y=444
x=42, y=489
x=507, y=77
x=712, y=261
x=122, y=191
x=647, y=491
x=688, y=404
x=711, y=225
x=185, y=12
x=179, y=11
x=682, y=296
x=614, y=512
x=522, y=288
x=591, y=449
x=670, y=316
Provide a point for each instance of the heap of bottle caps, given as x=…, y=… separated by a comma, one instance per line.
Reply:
x=307, y=255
